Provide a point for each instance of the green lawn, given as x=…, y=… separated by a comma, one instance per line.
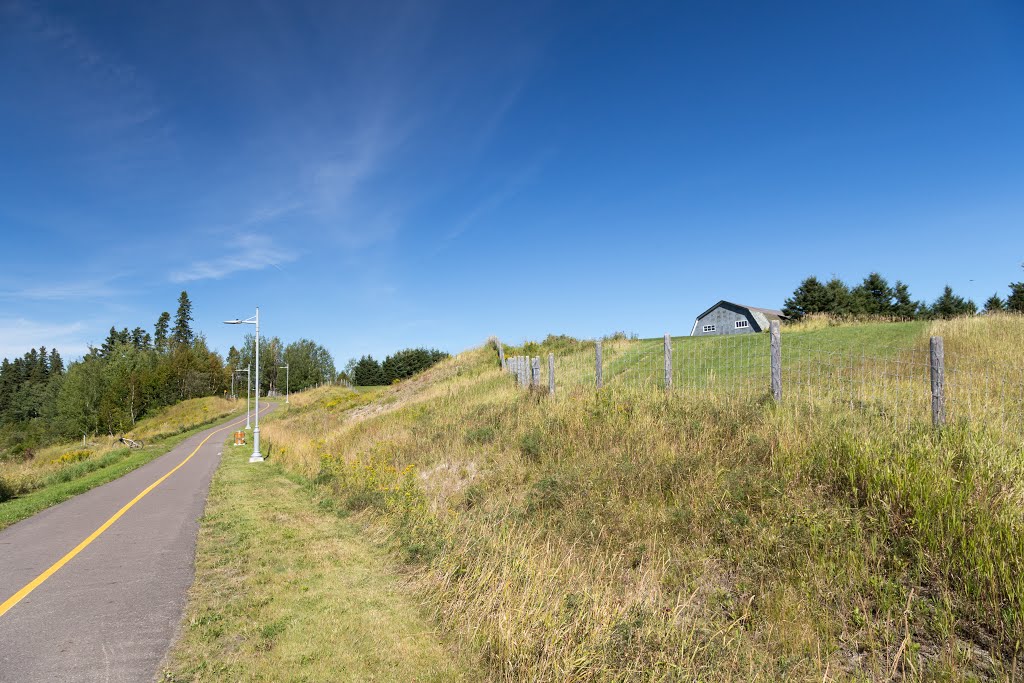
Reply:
x=739, y=362
x=874, y=339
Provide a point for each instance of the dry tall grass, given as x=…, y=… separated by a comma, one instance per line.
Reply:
x=626, y=534
x=62, y=462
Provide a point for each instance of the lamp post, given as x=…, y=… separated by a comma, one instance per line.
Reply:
x=255, y=320
x=287, y=391
x=248, y=386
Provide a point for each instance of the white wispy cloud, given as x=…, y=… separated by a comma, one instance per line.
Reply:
x=62, y=291
x=511, y=187
x=18, y=335
x=249, y=252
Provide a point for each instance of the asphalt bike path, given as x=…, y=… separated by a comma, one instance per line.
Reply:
x=93, y=589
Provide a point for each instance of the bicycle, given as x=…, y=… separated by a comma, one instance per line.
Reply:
x=131, y=443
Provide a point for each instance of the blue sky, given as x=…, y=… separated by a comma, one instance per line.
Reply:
x=388, y=174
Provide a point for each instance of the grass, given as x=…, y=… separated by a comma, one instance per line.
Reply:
x=626, y=534
x=288, y=589
x=66, y=470
x=731, y=361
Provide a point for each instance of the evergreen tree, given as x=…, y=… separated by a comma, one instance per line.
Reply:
x=114, y=337
x=809, y=297
x=41, y=371
x=994, y=304
x=140, y=339
x=837, y=297
x=873, y=296
x=367, y=372
x=163, y=323
x=7, y=387
x=949, y=305
x=1015, y=302
x=182, y=332
x=903, y=306
x=408, y=362
x=56, y=363
x=36, y=371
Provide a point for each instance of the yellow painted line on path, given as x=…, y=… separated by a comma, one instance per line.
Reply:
x=55, y=567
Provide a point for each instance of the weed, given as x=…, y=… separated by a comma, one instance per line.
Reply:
x=530, y=445
x=480, y=435
x=692, y=536
x=546, y=495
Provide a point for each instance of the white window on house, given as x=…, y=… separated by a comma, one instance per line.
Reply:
x=709, y=328
x=741, y=324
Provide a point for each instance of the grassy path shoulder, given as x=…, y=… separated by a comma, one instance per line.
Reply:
x=121, y=462
x=288, y=591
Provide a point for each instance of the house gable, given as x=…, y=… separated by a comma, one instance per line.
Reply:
x=727, y=318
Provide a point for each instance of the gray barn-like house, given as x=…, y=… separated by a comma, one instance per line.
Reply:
x=725, y=317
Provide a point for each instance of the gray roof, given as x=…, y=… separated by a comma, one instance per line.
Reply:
x=767, y=312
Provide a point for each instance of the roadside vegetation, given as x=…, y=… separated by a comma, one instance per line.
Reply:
x=286, y=590
x=132, y=375
x=368, y=372
x=626, y=534
x=60, y=471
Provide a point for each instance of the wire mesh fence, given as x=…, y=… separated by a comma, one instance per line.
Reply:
x=895, y=381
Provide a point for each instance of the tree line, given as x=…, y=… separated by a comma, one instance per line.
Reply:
x=110, y=388
x=308, y=364
x=875, y=297
x=133, y=373
x=368, y=372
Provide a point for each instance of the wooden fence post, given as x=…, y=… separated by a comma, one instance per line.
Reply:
x=668, y=362
x=535, y=371
x=938, y=366
x=776, y=352
x=551, y=374
x=501, y=355
x=597, y=364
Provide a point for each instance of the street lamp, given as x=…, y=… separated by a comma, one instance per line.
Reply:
x=287, y=391
x=248, y=386
x=255, y=320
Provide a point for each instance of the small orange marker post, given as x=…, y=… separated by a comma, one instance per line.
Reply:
x=239, y=438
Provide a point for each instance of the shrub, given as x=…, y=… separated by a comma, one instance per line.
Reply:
x=480, y=435
x=74, y=456
x=546, y=494
x=530, y=445
x=6, y=491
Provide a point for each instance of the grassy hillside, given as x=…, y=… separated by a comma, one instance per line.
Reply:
x=733, y=362
x=276, y=573
x=64, y=470
x=626, y=534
